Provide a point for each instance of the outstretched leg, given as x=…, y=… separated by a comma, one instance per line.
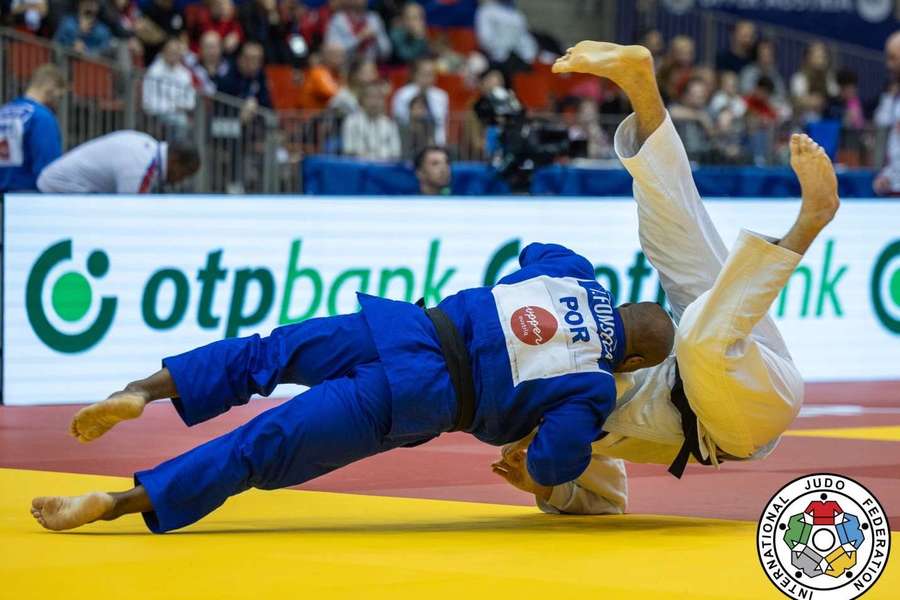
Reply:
x=333, y=424
x=207, y=381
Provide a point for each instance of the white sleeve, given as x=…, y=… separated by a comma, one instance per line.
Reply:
x=484, y=32
x=51, y=181
x=675, y=231
x=350, y=137
x=400, y=104
x=601, y=490
x=884, y=114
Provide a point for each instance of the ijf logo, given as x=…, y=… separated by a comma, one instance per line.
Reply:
x=65, y=327
x=823, y=536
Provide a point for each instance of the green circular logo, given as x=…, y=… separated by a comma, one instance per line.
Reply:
x=71, y=296
x=885, y=287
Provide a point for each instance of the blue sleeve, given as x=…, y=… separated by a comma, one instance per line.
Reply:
x=44, y=144
x=537, y=253
x=561, y=450
x=67, y=32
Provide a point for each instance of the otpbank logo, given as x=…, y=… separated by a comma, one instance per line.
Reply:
x=70, y=299
x=885, y=287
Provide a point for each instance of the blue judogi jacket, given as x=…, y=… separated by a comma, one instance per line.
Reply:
x=543, y=344
x=29, y=141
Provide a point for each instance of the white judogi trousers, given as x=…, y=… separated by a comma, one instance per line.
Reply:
x=738, y=375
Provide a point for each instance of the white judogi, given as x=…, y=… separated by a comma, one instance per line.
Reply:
x=123, y=162
x=738, y=375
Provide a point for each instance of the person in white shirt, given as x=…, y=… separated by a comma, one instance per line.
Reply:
x=369, y=133
x=730, y=389
x=168, y=90
x=502, y=32
x=124, y=162
x=359, y=31
x=424, y=76
x=887, y=116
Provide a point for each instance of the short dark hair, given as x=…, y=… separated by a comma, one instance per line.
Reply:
x=847, y=77
x=421, y=154
x=185, y=152
x=766, y=83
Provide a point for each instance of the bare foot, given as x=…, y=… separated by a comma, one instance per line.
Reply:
x=93, y=421
x=605, y=59
x=817, y=181
x=61, y=512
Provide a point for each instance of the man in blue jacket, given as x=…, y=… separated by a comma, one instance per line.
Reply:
x=29, y=133
x=535, y=351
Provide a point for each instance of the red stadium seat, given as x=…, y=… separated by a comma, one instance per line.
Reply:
x=462, y=39
x=285, y=85
x=455, y=86
x=24, y=58
x=92, y=80
x=535, y=89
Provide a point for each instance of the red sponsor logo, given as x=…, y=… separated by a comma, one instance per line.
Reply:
x=533, y=325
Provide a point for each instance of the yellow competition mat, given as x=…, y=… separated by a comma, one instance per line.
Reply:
x=875, y=434
x=291, y=544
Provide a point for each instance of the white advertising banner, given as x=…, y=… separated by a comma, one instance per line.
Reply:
x=97, y=289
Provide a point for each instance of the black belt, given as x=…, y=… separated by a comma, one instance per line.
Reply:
x=688, y=426
x=456, y=356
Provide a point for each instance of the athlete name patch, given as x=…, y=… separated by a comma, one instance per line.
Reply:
x=551, y=328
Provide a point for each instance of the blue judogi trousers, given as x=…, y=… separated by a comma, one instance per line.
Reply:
x=344, y=417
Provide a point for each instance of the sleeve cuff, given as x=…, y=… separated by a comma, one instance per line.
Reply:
x=559, y=498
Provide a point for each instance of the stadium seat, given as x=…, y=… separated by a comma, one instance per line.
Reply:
x=535, y=89
x=462, y=39
x=24, y=58
x=285, y=86
x=92, y=80
x=455, y=86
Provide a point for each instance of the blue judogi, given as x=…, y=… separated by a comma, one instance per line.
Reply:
x=542, y=346
x=29, y=141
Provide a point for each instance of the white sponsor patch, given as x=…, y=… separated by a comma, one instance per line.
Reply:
x=549, y=328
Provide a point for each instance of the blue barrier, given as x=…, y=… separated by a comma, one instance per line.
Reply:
x=328, y=175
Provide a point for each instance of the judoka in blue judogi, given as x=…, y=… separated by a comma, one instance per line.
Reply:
x=535, y=351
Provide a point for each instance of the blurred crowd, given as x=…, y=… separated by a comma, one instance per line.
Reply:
x=378, y=71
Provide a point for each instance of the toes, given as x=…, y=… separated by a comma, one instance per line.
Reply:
x=38, y=503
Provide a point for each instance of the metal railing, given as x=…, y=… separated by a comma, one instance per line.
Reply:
x=239, y=152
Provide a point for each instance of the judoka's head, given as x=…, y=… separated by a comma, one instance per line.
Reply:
x=649, y=335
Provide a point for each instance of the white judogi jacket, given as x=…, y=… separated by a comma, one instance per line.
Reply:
x=738, y=375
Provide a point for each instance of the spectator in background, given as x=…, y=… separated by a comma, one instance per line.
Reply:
x=432, y=165
x=29, y=15
x=409, y=37
x=418, y=132
x=814, y=84
x=677, y=69
x=159, y=21
x=728, y=97
x=347, y=100
x=764, y=65
x=83, y=32
x=847, y=108
x=29, y=132
x=887, y=116
x=653, y=41
x=246, y=79
x=324, y=80
x=263, y=23
x=359, y=31
x=369, y=133
x=208, y=66
x=692, y=120
x=742, y=49
x=503, y=36
x=121, y=17
x=762, y=116
x=308, y=22
x=587, y=133
x=424, y=76
x=475, y=130
x=218, y=16
x=168, y=91
x=123, y=162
